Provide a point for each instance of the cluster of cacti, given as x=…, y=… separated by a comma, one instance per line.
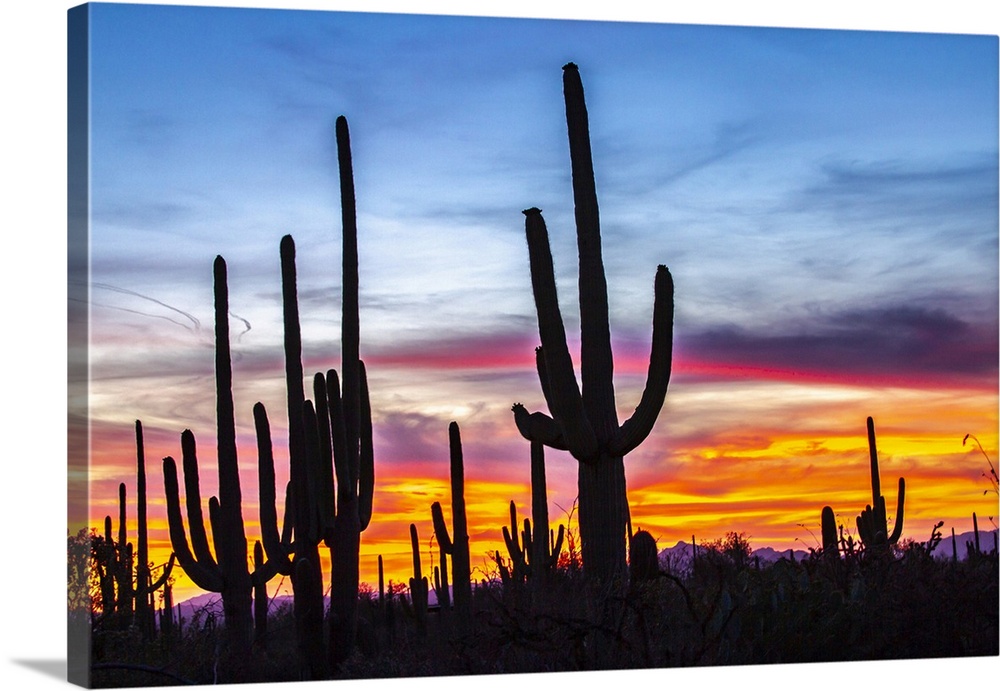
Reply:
x=533, y=553
x=872, y=522
x=168, y=624
x=586, y=423
x=126, y=583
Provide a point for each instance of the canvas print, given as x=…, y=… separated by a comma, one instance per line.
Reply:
x=422, y=346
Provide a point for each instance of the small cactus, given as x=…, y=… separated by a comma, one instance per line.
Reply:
x=418, y=584
x=872, y=523
x=644, y=561
x=829, y=531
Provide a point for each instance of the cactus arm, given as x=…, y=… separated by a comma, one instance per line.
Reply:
x=338, y=432
x=272, y=543
x=216, y=521
x=206, y=577
x=557, y=545
x=538, y=427
x=288, y=525
x=897, y=528
x=325, y=487
x=161, y=581
x=635, y=430
x=192, y=488
x=526, y=541
x=873, y=456
x=440, y=528
x=543, y=376
x=312, y=473
x=565, y=400
x=596, y=361
x=366, y=456
x=513, y=549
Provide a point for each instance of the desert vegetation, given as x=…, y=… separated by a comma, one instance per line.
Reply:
x=595, y=595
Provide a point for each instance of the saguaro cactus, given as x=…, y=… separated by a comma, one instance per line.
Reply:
x=225, y=573
x=355, y=467
x=872, y=524
x=828, y=524
x=586, y=423
x=145, y=587
x=456, y=546
x=331, y=437
x=418, y=584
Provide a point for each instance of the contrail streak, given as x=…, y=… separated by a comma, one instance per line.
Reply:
x=144, y=314
x=125, y=291
x=245, y=323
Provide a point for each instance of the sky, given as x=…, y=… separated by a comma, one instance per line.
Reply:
x=825, y=200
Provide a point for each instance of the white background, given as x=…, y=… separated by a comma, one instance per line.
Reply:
x=33, y=331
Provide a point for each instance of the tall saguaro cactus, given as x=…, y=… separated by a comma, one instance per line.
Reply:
x=355, y=467
x=145, y=615
x=457, y=545
x=225, y=573
x=585, y=422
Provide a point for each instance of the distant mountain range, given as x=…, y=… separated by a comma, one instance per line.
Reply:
x=677, y=559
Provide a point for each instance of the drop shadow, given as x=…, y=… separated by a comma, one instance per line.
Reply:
x=50, y=668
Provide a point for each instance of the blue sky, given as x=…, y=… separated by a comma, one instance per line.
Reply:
x=803, y=185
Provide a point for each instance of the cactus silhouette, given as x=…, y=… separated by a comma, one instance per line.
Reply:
x=418, y=584
x=643, y=560
x=295, y=552
x=259, y=597
x=145, y=587
x=114, y=564
x=585, y=422
x=227, y=571
x=517, y=540
x=828, y=523
x=542, y=548
x=352, y=422
x=536, y=554
x=330, y=449
x=872, y=523
x=457, y=546
x=126, y=583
